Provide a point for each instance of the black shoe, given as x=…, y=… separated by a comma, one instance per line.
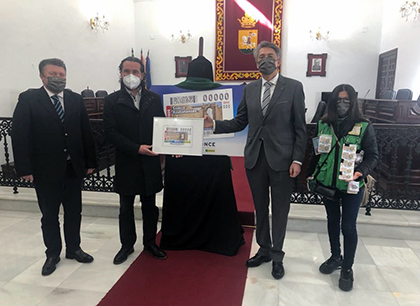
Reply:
x=156, y=251
x=80, y=256
x=49, y=265
x=122, y=255
x=330, y=265
x=278, y=270
x=257, y=260
x=345, y=282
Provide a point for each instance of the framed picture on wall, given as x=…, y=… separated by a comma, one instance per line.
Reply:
x=181, y=66
x=316, y=64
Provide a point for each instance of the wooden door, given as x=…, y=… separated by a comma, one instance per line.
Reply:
x=386, y=72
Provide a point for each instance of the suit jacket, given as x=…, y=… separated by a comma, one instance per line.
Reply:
x=127, y=128
x=42, y=143
x=282, y=131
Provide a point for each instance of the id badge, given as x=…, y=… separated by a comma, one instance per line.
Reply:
x=324, y=143
x=353, y=187
x=315, y=143
x=356, y=130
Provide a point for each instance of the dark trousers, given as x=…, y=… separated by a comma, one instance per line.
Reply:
x=51, y=193
x=150, y=214
x=347, y=216
x=260, y=178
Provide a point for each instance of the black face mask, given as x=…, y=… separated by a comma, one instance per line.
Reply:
x=267, y=65
x=56, y=84
x=343, y=107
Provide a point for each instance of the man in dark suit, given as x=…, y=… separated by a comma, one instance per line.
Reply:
x=274, y=109
x=128, y=121
x=53, y=147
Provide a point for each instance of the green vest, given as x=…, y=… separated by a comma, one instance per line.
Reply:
x=330, y=170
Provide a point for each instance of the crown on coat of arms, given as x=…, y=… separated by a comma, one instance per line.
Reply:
x=247, y=21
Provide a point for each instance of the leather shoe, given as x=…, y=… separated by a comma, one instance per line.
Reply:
x=257, y=260
x=122, y=255
x=49, y=265
x=278, y=270
x=80, y=256
x=156, y=251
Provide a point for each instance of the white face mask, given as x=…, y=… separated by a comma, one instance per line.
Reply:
x=131, y=81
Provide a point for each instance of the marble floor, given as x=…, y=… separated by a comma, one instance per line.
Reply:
x=387, y=271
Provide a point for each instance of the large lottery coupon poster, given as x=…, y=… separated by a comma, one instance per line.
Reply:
x=219, y=104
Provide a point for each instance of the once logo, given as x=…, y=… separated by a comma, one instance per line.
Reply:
x=209, y=144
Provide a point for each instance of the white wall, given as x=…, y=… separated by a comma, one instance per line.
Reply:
x=157, y=20
x=404, y=35
x=33, y=30
x=352, y=55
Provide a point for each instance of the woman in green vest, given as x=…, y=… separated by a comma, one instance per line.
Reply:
x=345, y=153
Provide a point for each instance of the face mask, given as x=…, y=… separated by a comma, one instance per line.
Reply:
x=267, y=65
x=56, y=84
x=131, y=81
x=343, y=106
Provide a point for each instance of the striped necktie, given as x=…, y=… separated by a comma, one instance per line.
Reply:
x=266, y=97
x=58, y=107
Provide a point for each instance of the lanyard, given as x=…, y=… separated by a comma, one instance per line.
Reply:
x=336, y=138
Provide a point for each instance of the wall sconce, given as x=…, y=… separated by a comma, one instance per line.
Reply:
x=409, y=8
x=319, y=35
x=99, y=23
x=183, y=38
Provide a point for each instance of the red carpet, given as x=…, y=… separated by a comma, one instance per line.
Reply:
x=242, y=192
x=185, y=278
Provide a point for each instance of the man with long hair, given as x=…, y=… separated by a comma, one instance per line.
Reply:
x=128, y=121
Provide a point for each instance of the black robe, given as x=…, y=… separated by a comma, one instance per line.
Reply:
x=199, y=206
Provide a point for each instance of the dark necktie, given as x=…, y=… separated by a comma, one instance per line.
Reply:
x=266, y=97
x=58, y=107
